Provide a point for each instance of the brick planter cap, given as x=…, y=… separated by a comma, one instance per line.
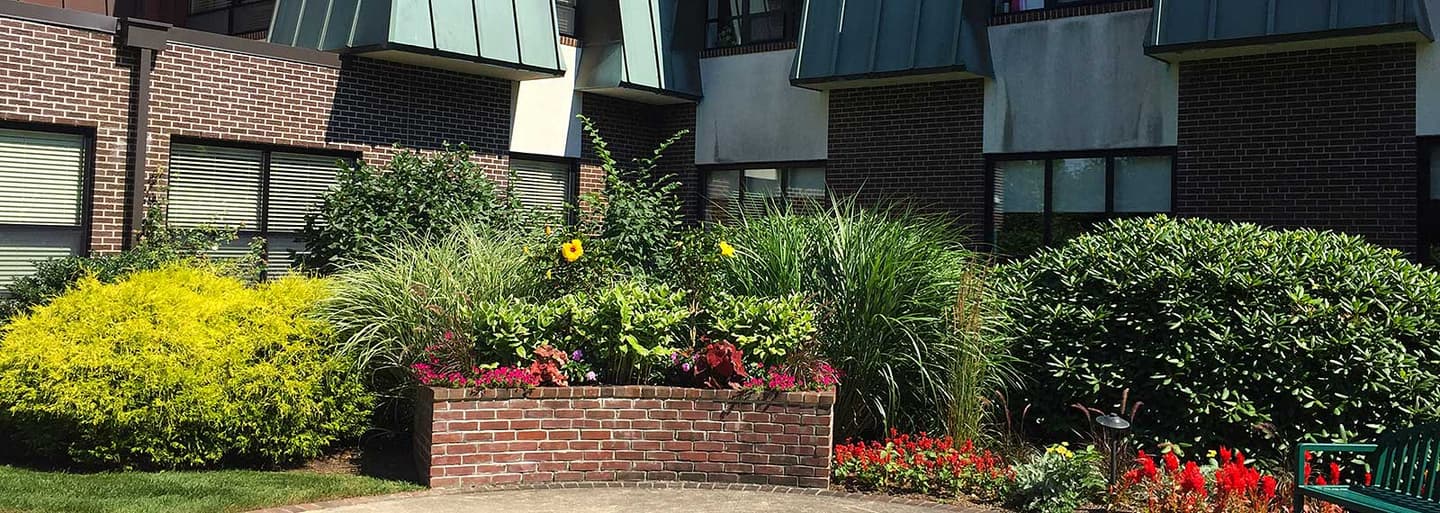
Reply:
x=437, y=395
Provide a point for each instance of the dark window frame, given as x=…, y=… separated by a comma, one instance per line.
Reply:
x=791, y=11
x=572, y=188
x=572, y=7
x=783, y=166
x=230, y=8
x=1048, y=195
x=87, y=179
x=263, y=216
x=1049, y=5
x=1426, y=233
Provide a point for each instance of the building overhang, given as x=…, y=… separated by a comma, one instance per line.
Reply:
x=1185, y=30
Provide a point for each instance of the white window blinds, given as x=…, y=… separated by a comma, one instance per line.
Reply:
x=214, y=185
x=41, y=178
x=42, y=184
x=541, y=185
x=296, y=184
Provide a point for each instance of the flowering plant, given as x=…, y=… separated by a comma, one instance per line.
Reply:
x=1056, y=481
x=921, y=464
x=1229, y=485
x=548, y=366
x=506, y=377
x=814, y=376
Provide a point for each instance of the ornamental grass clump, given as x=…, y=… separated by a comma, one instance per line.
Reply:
x=178, y=367
x=1228, y=332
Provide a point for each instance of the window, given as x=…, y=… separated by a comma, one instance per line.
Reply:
x=1047, y=199
x=258, y=191
x=231, y=17
x=1430, y=200
x=43, y=179
x=1009, y=6
x=744, y=22
x=565, y=16
x=545, y=185
x=730, y=193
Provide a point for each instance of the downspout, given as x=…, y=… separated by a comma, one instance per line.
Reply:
x=150, y=38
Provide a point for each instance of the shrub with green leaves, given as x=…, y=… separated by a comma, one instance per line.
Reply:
x=639, y=211
x=767, y=330
x=178, y=367
x=416, y=194
x=1056, y=481
x=630, y=326
x=1228, y=333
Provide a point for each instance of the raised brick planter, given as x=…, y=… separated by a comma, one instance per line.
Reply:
x=628, y=433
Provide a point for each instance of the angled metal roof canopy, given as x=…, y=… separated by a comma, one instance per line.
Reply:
x=1193, y=29
x=512, y=39
x=857, y=43
x=642, y=50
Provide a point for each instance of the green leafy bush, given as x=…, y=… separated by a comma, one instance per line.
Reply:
x=630, y=326
x=1229, y=333
x=886, y=284
x=416, y=194
x=476, y=284
x=177, y=367
x=159, y=245
x=767, y=330
x=1056, y=481
x=639, y=211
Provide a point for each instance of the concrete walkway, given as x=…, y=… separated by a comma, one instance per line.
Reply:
x=673, y=498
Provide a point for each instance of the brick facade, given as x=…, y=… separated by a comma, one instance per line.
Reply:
x=628, y=433
x=919, y=144
x=1318, y=138
x=53, y=75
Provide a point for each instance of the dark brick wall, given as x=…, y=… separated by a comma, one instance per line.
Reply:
x=919, y=144
x=466, y=438
x=1317, y=138
x=632, y=129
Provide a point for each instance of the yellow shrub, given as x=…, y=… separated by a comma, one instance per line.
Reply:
x=177, y=367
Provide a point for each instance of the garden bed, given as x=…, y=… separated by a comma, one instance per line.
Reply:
x=468, y=437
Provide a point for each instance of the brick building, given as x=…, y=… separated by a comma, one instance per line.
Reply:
x=1025, y=120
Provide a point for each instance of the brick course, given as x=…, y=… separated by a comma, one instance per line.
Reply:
x=628, y=433
x=1317, y=138
x=920, y=144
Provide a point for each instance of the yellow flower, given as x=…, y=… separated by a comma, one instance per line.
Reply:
x=572, y=250
x=549, y=231
x=526, y=249
x=1061, y=450
x=549, y=275
x=726, y=249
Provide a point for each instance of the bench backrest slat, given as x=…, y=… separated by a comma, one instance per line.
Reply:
x=1408, y=462
x=1431, y=469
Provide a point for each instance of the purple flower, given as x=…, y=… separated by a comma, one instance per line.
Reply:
x=577, y=356
x=590, y=376
x=685, y=366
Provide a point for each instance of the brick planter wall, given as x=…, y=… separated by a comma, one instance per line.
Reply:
x=628, y=433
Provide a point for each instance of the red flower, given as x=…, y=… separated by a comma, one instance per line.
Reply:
x=1306, y=478
x=1367, y=479
x=1224, y=455
x=1147, y=466
x=1171, y=462
x=1334, y=473
x=1267, y=487
x=1191, y=480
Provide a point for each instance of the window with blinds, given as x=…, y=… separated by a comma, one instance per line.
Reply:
x=542, y=185
x=42, y=188
x=260, y=192
x=730, y=193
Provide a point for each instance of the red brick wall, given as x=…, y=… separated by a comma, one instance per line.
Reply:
x=63, y=76
x=366, y=106
x=918, y=144
x=1318, y=138
x=633, y=433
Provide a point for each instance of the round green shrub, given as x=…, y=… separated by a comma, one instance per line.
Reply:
x=1228, y=333
x=177, y=367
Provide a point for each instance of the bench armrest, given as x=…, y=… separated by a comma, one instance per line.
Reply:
x=1304, y=448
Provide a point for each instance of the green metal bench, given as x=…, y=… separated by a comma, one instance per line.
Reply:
x=1404, y=467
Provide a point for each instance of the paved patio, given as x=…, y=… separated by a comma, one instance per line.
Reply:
x=643, y=497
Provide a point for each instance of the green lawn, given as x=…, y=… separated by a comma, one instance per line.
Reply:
x=30, y=491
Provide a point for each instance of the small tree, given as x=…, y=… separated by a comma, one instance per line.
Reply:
x=639, y=211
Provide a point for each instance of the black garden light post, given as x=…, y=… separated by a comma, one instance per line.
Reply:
x=1113, y=428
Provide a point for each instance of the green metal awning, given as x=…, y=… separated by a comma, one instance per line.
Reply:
x=642, y=50
x=1191, y=29
x=857, y=43
x=512, y=39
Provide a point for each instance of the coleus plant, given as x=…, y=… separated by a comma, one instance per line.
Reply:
x=548, y=366
x=719, y=365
